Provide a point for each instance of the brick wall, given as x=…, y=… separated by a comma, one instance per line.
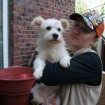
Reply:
x=22, y=36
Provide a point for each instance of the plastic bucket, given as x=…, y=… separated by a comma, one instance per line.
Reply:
x=15, y=99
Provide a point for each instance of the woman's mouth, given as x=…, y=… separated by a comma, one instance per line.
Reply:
x=74, y=37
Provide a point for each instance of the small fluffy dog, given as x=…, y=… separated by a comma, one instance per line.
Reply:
x=50, y=47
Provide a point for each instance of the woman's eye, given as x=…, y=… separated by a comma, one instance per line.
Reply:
x=59, y=29
x=84, y=30
x=48, y=28
x=76, y=24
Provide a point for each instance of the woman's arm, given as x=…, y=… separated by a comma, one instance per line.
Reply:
x=85, y=68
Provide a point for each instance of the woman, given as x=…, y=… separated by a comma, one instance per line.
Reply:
x=81, y=81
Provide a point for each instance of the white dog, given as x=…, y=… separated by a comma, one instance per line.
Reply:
x=51, y=47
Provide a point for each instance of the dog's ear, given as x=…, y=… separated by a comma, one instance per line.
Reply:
x=37, y=22
x=65, y=23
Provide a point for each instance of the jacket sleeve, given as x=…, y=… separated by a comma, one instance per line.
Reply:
x=85, y=68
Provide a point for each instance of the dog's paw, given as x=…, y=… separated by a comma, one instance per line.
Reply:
x=65, y=62
x=38, y=73
x=35, y=102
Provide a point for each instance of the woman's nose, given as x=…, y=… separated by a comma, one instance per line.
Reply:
x=76, y=31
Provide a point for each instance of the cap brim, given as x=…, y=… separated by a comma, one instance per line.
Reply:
x=75, y=16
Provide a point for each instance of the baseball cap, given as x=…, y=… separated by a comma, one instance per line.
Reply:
x=93, y=20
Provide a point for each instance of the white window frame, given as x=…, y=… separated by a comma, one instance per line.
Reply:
x=5, y=34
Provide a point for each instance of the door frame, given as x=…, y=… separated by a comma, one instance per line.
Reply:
x=5, y=34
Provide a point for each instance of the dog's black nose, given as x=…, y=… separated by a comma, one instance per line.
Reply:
x=55, y=36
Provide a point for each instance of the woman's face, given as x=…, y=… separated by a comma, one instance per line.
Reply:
x=82, y=36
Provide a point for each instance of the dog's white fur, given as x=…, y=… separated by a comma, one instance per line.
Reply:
x=51, y=47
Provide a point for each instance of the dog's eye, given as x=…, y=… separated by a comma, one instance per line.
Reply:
x=59, y=29
x=48, y=28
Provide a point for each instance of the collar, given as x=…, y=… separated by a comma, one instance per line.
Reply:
x=83, y=50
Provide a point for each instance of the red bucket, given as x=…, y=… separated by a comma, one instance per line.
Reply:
x=16, y=80
x=15, y=99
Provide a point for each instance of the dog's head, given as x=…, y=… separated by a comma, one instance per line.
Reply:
x=51, y=29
